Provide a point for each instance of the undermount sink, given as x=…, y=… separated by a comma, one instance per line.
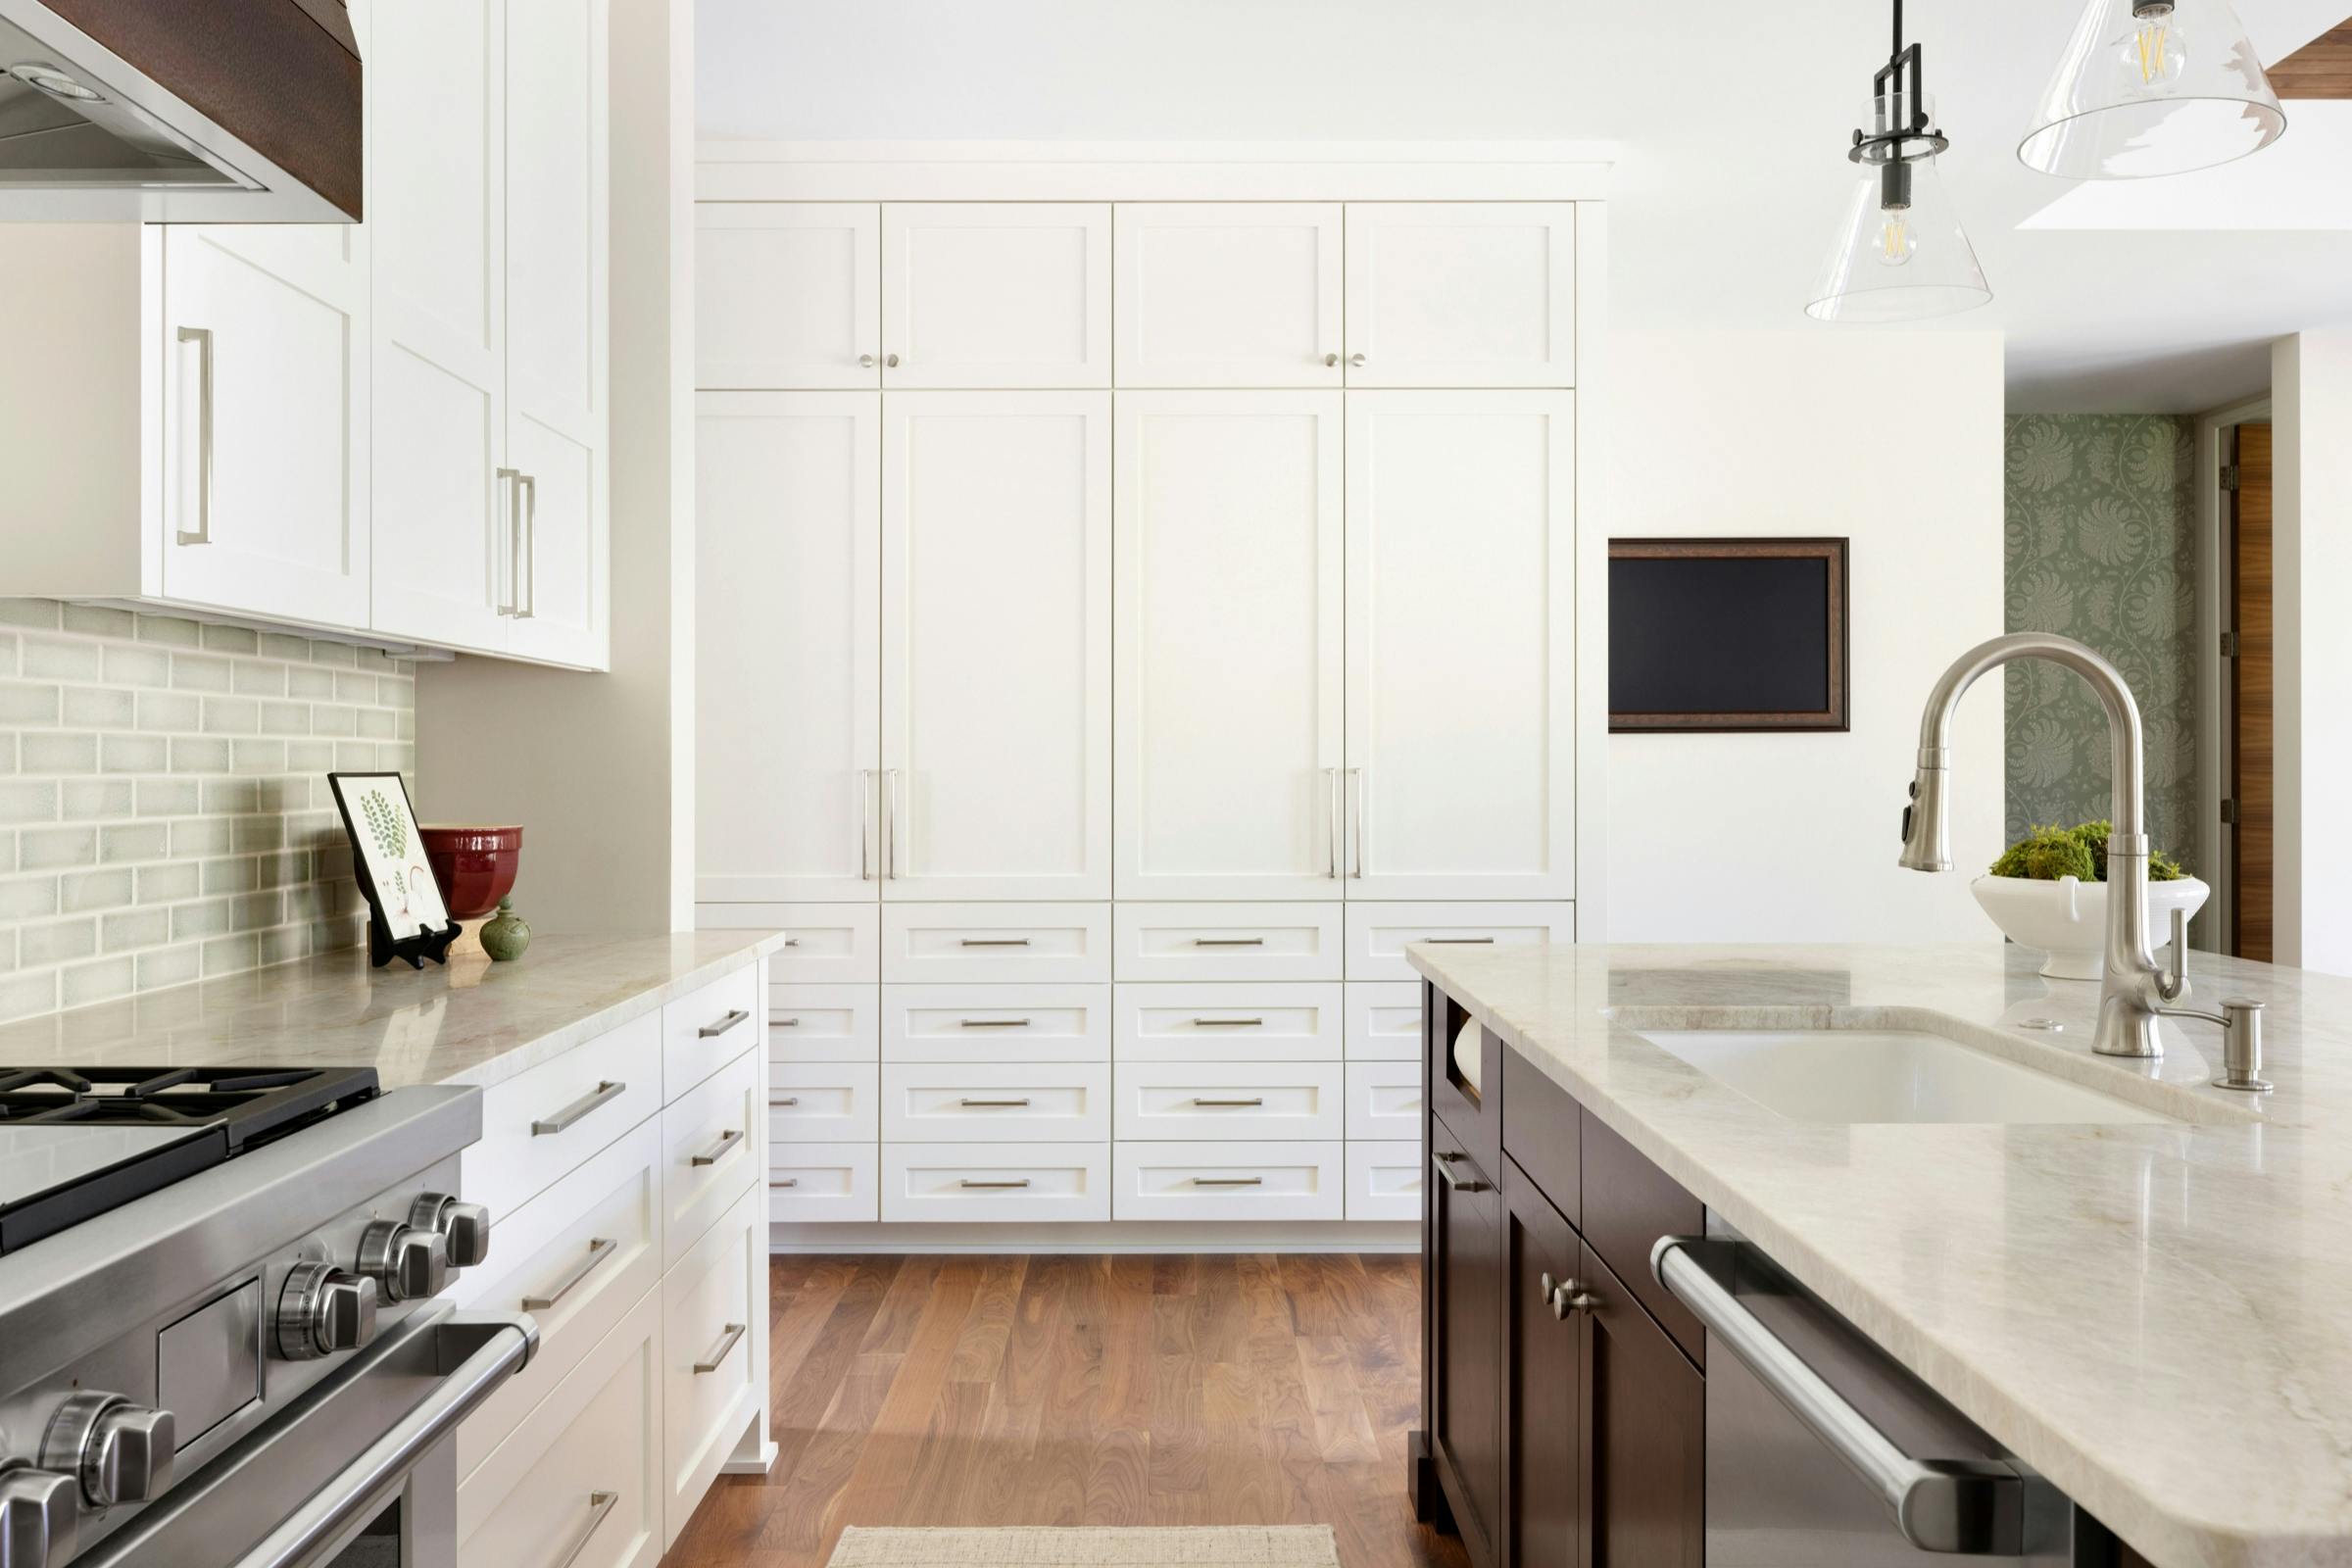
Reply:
x=1886, y=1075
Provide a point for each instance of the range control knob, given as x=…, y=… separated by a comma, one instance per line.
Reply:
x=119, y=1451
x=323, y=1311
x=38, y=1512
x=408, y=1263
x=465, y=1226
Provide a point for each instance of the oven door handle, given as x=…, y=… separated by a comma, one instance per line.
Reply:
x=479, y=1353
x=1952, y=1505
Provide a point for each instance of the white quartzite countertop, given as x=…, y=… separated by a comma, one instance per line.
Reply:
x=471, y=1022
x=2158, y=1317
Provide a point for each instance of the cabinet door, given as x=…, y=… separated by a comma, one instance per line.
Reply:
x=1230, y=644
x=1462, y=607
x=788, y=542
x=995, y=294
x=1542, y=1411
x=1643, y=1434
x=1461, y=294
x=788, y=294
x=557, y=113
x=996, y=645
x=1228, y=294
x=265, y=419
x=1467, y=1330
x=437, y=201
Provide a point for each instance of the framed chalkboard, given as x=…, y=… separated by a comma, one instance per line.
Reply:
x=1728, y=634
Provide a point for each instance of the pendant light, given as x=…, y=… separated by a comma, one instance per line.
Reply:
x=2153, y=87
x=1900, y=254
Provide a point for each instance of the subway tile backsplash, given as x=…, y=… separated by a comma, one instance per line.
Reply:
x=164, y=808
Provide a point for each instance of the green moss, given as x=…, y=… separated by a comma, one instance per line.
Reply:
x=2048, y=853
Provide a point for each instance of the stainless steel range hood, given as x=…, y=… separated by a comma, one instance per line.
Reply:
x=167, y=111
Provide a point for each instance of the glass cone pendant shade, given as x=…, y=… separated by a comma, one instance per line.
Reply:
x=1900, y=254
x=2153, y=87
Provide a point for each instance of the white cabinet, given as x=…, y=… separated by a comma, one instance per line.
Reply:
x=996, y=645
x=1228, y=294
x=788, y=294
x=1461, y=654
x=1231, y=645
x=714, y=1376
x=995, y=294
x=1461, y=294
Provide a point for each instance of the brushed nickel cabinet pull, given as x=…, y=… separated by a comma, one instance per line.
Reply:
x=866, y=818
x=718, y=1150
x=599, y=1250
x=526, y=607
x=1459, y=942
x=202, y=533
x=987, y=1104
x=992, y=1024
x=718, y=1352
x=992, y=942
x=603, y=1094
x=1229, y=1023
x=512, y=478
x=1355, y=815
x=789, y=1181
x=1022, y=1182
x=1229, y=942
x=784, y=1024
x=1331, y=839
x=1229, y=1181
x=1253, y=1099
x=711, y=1031
x=599, y=1506
x=788, y=1099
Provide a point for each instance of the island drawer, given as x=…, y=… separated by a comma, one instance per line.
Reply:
x=1629, y=1203
x=1542, y=1130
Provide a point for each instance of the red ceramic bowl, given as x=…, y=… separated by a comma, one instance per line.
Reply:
x=476, y=865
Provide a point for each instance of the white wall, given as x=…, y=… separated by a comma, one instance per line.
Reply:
x=1895, y=441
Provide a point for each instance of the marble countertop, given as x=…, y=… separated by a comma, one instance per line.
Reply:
x=2157, y=1316
x=470, y=1020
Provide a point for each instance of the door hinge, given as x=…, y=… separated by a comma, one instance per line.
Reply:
x=2230, y=813
x=2228, y=476
x=2229, y=645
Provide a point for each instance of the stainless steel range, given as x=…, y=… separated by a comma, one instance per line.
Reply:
x=220, y=1342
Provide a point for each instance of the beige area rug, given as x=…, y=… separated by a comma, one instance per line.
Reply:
x=1235, y=1547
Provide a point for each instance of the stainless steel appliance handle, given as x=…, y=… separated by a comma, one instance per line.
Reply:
x=718, y=1150
x=718, y=1352
x=487, y=1348
x=512, y=603
x=599, y=1250
x=601, y=1093
x=1950, y=1505
x=202, y=533
x=527, y=606
x=711, y=1031
x=600, y=1503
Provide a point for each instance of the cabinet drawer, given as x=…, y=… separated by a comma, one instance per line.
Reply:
x=576, y=1257
x=1383, y=1020
x=583, y=1475
x=1543, y=1132
x=711, y=1143
x=1384, y=1100
x=822, y=1101
x=1227, y=1181
x=990, y=1182
x=1228, y=942
x=981, y=1023
x=996, y=1103
x=712, y=1307
x=964, y=942
x=1628, y=1202
x=822, y=1023
x=823, y=943
x=1232, y=1099
x=707, y=1028
x=1384, y=1180
x=1377, y=933
x=549, y=1120
x=817, y=1182
x=1233, y=1021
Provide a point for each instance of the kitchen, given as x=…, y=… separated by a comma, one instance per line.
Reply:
x=757, y=809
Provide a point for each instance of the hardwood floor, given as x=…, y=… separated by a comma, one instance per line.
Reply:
x=1100, y=1391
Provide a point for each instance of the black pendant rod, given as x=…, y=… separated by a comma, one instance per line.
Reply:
x=1899, y=30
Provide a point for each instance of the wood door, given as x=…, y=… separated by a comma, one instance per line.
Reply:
x=788, y=547
x=1230, y=646
x=996, y=644
x=1228, y=294
x=995, y=294
x=1472, y=294
x=1542, y=1420
x=788, y=294
x=557, y=112
x=1461, y=645
x=446, y=555
x=1643, y=1435
x=1467, y=1280
x=265, y=419
x=2251, y=785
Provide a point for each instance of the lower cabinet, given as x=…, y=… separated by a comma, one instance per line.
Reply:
x=1464, y=1395
x=713, y=1320
x=1644, y=1434
x=1543, y=1394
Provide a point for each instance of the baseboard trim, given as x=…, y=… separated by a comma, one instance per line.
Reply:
x=1154, y=1236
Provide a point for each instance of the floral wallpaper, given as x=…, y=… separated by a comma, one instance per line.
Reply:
x=2100, y=546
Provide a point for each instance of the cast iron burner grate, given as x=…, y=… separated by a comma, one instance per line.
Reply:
x=251, y=1105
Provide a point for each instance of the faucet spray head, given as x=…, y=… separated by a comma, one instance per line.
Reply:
x=1926, y=837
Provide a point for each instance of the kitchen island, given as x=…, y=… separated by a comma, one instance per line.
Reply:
x=2151, y=1314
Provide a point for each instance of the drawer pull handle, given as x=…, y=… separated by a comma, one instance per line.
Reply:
x=1253, y=1099
x=1459, y=942
x=1229, y=1023
x=784, y=1024
x=787, y=1102
x=1472, y=1183
x=789, y=1181
x=993, y=1103
x=711, y=1031
x=993, y=1024
x=718, y=1352
x=718, y=1150
x=600, y=1503
x=1229, y=1181
x=1229, y=942
x=967, y=1182
x=600, y=1249
x=603, y=1094
x=992, y=942
x=792, y=942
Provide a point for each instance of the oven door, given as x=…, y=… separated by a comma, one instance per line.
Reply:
x=361, y=1474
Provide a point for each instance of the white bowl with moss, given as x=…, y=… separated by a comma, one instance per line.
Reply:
x=2048, y=891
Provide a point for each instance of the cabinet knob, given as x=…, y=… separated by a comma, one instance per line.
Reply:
x=1571, y=1297
x=1357, y=360
x=891, y=360
x=865, y=362
x=1330, y=359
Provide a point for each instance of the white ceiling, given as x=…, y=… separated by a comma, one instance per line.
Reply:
x=1733, y=119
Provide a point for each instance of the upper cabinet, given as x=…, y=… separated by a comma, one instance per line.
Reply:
x=1229, y=294
x=787, y=295
x=1461, y=294
x=995, y=294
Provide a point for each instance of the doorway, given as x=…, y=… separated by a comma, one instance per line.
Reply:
x=2248, y=807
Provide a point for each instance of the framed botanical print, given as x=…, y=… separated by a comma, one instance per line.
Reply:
x=407, y=917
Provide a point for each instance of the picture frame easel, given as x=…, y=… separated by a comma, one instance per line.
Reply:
x=407, y=917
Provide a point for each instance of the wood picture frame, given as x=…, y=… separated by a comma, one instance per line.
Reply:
x=408, y=914
x=1834, y=714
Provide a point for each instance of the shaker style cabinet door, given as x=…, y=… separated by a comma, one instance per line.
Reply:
x=1461, y=657
x=1230, y=644
x=995, y=294
x=1465, y=1237
x=1541, y=1422
x=1642, y=1429
x=1470, y=294
x=996, y=645
x=788, y=570
x=788, y=294
x=1228, y=294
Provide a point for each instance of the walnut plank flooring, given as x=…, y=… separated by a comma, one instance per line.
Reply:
x=1055, y=1390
